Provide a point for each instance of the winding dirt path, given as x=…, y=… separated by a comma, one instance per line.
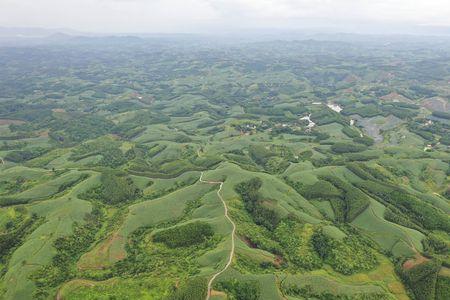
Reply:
x=230, y=258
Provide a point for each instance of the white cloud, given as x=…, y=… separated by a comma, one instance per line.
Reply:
x=106, y=15
x=187, y=15
x=419, y=11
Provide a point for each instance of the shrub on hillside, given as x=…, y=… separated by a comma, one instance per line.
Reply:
x=193, y=289
x=184, y=235
x=366, y=111
x=240, y=289
x=321, y=190
x=295, y=240
x=351, y=203
x=249, y=192
x=347, y=148
x=350, y=132
x=358, y=170
x=114, y=189
x=435, y=244
x=441, y=114
x=19, y=156
x=68, y=250
x=421, y=279
x=443, y=288
x=346, y=256
x=365, y=140
x=419, y=211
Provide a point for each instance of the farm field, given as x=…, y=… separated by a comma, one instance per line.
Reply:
x=177, y=169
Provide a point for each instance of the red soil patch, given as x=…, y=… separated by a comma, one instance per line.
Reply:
x=278, y=261
x=105, y=251
x=437, y=104
x=107, y=246
x=444, y=272
x=411, y=263
x=348, y=91
x=11, y=121
x=218, y=293
x=248, y=242
x=351, y=78
x=395, y=97
x=43, y=133
x=269, y=204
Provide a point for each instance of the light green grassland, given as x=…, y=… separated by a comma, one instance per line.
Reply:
x=388, y=234
x=38, y=250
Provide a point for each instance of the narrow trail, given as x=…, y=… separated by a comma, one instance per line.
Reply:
x=230, y=259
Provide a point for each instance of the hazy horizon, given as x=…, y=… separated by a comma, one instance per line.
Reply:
x=211, y=16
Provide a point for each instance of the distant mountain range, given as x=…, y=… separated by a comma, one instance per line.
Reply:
x=38, y=36
x=34, y=32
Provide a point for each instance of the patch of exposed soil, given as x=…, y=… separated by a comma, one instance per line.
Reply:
x=248, y=242
x=373, y=126
x=437, y=104
x=444, y=272
x=218, y=293
x=395, y=97
x=411, y=263
x=278, y=261
x=104, y=251
x=11, y=121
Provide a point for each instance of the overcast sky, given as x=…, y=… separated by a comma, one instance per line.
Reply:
x=206, y=15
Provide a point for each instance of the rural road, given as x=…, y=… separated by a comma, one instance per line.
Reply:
x=230, y=259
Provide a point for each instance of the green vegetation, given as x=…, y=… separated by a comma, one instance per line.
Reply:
x=346, y=256
x=57, y=185
x=322, y=189
x=19, y=156
x=253, y=203
x=421, y=213
x=14, y=234
x=195, y=288
x=331, y=158
x=421, y=279
x=319, y=287
x=78, y=128
x=441, y=114
x=352, y=201
x=115, y=189
x=296, y=242
x=365, y=140
x=68, y=250
x=241, y=290
x=350, y=132
x=442, y=287
x=184, y=235
x=346, y=148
